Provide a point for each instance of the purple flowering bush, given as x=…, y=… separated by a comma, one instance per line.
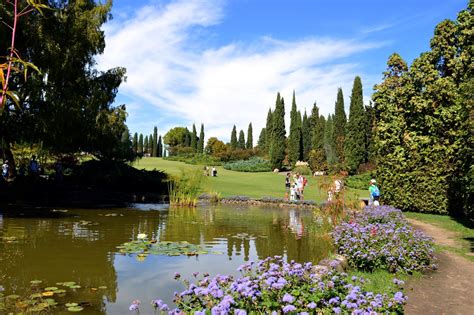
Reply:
x=275, y=286
x=381, y=238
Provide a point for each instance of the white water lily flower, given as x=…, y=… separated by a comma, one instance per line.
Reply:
x=142, y=236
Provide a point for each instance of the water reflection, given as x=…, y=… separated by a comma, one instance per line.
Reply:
x=80, y=245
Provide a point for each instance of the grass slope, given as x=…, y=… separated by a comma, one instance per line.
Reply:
x=231, y=183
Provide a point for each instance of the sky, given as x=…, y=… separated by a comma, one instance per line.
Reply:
x=222, y=62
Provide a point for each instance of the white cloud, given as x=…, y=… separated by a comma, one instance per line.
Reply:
x=167, y=67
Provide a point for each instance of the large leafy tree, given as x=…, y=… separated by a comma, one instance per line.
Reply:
x=68, y=105
x=355, y=142
x=423, y=120
x=278, y=138
x=294, y=138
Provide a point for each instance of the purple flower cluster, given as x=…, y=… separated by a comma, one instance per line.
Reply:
x=381, y=238
x=278, y=287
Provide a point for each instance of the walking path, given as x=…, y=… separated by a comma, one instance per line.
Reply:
x=450, y=290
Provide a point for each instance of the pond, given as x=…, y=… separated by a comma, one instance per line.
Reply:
x=59, y=245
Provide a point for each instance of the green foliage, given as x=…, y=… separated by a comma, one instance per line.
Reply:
x=185, y=188
x=146, y=147
x=200, y=144
x=160, y=147
x=360, y=181
x=233, y=139
x=176, y=136
x=254, y=164
x=241, y=141
x=339, y=130
x=329, y=145
x=355, y=142
x=302, y=170
x=135, y=142
x=196, y=159
x=145, y=247
x=268, y=131
x=294, y=139
x=154, y=146
x=306, y=135
x=249, y=144
x=423, y=137
x=278, y=139
x=194, y=139
x=261, y=139
x=215, y=146
x=140, y=144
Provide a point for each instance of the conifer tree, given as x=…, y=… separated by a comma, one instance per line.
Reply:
x=300, y=124
x=268, y=131
x=200, y=144
x=150, y=144
x=339, y=131
x=145, y=145
x=187, y=138
x=159, y=147
x=262, y=139
x=355, y=141
x=241, y=141
x=135, y=142
x=329, y=147
x=277, y=144
x=249, y=143
x=194, y=139
x=233, y=139
x=294, y=138
x=306, y=135
x=369, y=143
x=140, y=144
x=154, y=147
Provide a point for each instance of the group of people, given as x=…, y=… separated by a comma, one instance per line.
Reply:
x=208, y=171
x=294, y=185
x=33, y=169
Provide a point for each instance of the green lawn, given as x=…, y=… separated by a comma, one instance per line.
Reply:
x=231, y=183
x=464, y=234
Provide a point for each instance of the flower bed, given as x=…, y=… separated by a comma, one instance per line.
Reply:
x=381, y=238
x=275, y=286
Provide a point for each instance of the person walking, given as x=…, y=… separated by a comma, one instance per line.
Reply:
x=5, y=170
x=374, y=193
x=287, y=185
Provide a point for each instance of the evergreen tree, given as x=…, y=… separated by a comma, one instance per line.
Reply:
x=306, y=135
x=268, y=131
x=200, y=144
x=145, y=146
x=150, y=144
x=154, y=147
x=233, y=139
x=135, y=142
x=262, y=138
x=329, y=147
x=278, y=139
x=294, y=138
x=187, y=138
x=140, y=144
x=249, y=144
x=339, y=131
x=194, y=139
x=355, y=141
x=301, y=148
x=159, y=147
x=241, y=141
x=317, y=154
x=369, y=138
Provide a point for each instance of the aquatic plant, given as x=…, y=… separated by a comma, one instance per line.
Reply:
x=184, y=189
x=143, y=247
x=381, y=238
x=275, y=286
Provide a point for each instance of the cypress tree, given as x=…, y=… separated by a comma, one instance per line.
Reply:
x=233, y=139
x=261, y=139
x=339, y=131
x=200, y=144
x=241, y=141
x=249, y=137
x=145, y=145
x=306, y=135
x=317, y=154
x=187, y=138
x=277, y=144
x=140, y=144
x=294, y=138
x=135, y=142
x=154, y=147
x=159, y=147
x=355, y=142
x=329, y=141
x=300, y=124
x=150, y=144
x=268, y=131
x=194, y=139
x=369, y=143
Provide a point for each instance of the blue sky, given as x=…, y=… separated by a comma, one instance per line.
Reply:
x=222, y=62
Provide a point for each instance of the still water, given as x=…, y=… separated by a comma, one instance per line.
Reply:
x=62, y=245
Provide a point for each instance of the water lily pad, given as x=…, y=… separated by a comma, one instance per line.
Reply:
x=71, y=304
x=35, y=295
x=12, y=297
x=69, y=283
x=102, y=287
x=35, y=282
x=59, y=291
x=51, y=302
x=50, y=289
x=75, y=308
x=47, y=293
x=75, y=286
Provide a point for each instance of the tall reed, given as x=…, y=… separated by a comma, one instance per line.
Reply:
x=184, y=189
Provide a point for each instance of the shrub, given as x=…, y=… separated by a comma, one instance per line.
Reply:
x=381, y=238
x=359, y=181
x=273, y=285
x=254, y=164
x=235, y=155
x=302, y=169
x=195, y=159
